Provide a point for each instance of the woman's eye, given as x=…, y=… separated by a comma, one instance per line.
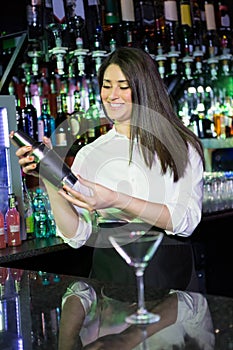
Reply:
x=121, y=87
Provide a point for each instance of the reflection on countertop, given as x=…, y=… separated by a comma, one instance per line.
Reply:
x=40, y=310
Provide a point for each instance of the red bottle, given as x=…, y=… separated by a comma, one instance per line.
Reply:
x=13, y=223
x=2, y=232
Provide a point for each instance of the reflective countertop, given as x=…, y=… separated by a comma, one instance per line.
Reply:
x=40, y=310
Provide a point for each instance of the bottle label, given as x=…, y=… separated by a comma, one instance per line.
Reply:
x=185, y=15
x=14, y=228
x=41, y=133
x=170, y=10
x=29, y=224
x=2, y=242
x=210, y=17
x=61, y=139
x=75, y=126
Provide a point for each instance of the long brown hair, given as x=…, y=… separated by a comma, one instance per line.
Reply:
x=154, y=123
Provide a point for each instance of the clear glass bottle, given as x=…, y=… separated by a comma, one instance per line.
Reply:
x=12, y=218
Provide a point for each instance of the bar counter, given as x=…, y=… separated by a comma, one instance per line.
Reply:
x=32, y=301
x=37, y=247
x=211, y=243
x=31, y=248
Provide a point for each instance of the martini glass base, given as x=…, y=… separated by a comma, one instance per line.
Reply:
x=142, y=319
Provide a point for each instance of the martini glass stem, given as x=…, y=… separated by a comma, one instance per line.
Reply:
x=141, y=293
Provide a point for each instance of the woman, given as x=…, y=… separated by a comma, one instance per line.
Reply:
x=147, y=170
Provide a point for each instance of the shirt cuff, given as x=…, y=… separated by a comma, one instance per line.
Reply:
x=84, y=292
x=82, y=234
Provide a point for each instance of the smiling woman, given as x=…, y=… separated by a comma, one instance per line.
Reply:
x=149, y=149
x=116, y=96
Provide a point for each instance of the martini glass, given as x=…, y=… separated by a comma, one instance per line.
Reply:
x=137, y=248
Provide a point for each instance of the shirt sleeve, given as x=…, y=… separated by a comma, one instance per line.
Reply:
x=83, y=232
x=185, y=198
x=85, y=218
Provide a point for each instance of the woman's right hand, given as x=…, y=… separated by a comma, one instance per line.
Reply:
x=26, y=159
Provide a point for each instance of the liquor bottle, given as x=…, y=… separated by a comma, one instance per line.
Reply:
x=160, y=55
x=65, y=98
x=128, y=22
x=111, y=12
x=34, y=19
x=30, y=116
x=92, y=118
x=110, y=22
x=223, y=23
x=42, y=122
x=12, y=219
x=171, y=23
x=61, y=125
x=77, y=119
x=40, y=215
x=171, y=28
x=186, y=28
x=211, y=35
x=199, y=26
x=52, y=98
x=46, y=122
x=50, y=131
x=112, y=44
x=28, y=209
x=199, y=30
x=2, y=232
x=186, y=43
x=160, y=49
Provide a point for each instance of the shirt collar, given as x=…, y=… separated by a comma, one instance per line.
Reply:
x=117, y=134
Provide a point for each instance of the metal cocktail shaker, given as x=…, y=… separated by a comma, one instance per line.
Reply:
x=49, y=164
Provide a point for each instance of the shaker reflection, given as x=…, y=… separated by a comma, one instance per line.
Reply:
x=92, y=321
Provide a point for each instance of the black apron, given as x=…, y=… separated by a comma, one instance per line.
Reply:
x=171, y=267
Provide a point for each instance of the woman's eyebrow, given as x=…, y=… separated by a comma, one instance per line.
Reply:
x=119, y=81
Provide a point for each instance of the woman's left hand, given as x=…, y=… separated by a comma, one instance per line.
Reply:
x=101, y=198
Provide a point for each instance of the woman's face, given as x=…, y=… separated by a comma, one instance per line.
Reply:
x=116, y=95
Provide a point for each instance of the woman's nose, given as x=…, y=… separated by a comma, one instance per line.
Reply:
x=114, y=93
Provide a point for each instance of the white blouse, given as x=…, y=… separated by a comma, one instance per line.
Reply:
x=106, y=161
